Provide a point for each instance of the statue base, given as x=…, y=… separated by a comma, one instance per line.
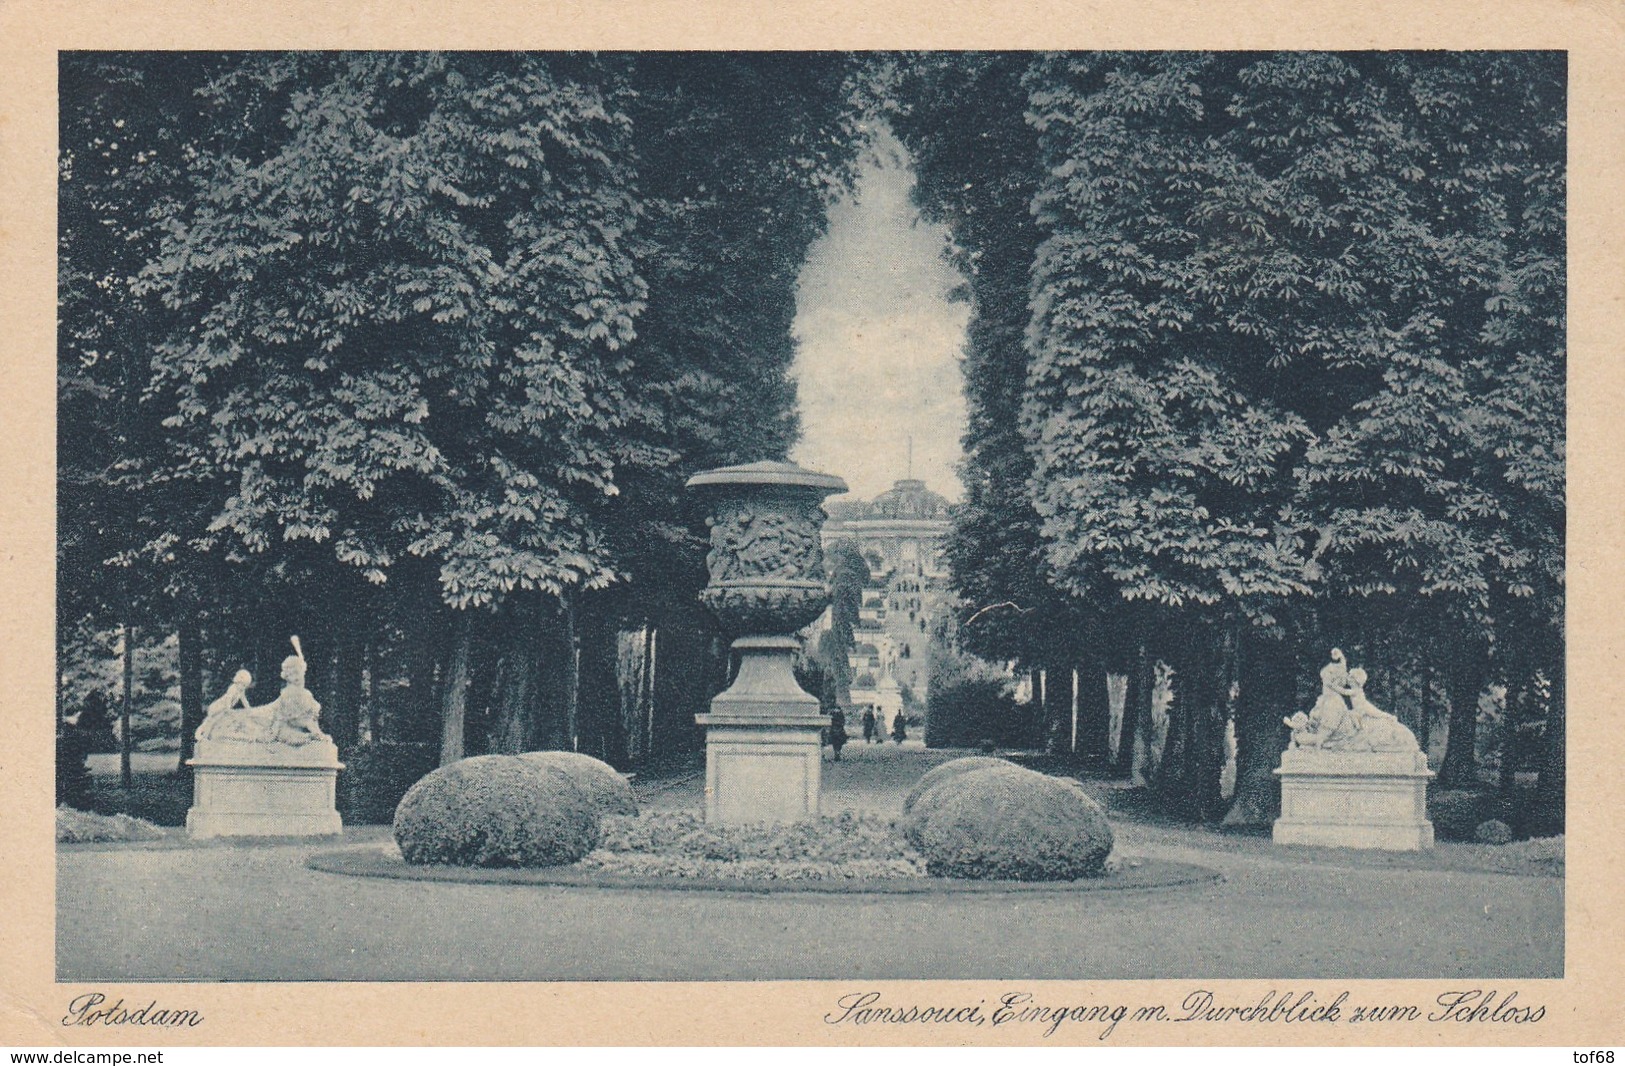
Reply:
x=763, y=740
x=1349, y=799
x=762, y=767
x=260, y=790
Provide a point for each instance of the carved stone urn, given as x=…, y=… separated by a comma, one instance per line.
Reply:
x=763, y=758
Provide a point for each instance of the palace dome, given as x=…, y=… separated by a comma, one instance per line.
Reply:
x=908, y=498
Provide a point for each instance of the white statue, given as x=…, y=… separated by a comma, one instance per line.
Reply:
x=295, y=713
x=230, y=716
x=291, y=718
x=1342, y=719
x=1378, y=730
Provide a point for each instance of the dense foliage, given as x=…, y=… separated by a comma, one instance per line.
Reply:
x=1290, y=374
x=411, y=353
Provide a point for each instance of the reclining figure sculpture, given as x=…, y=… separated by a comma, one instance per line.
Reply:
x=291, y=719
x=1342, y=719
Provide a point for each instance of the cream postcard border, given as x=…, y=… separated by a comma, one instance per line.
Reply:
x=1583, y=1008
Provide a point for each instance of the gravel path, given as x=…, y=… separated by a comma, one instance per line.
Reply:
x=256, y=913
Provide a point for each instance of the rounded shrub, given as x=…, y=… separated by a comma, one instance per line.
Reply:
x=1011, y=824
x=1456, y=813
x=496, y=810
x=604, y=785
x=1493, y=831
x=952, y=768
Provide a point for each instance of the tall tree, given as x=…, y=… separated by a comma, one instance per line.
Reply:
x=961, y=117
x=1252, y=262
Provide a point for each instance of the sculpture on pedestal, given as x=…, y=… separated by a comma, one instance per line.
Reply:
x=293, y=718
x=267, y=770
x=1342, y=719
x=1354, y=775
x=766, y=568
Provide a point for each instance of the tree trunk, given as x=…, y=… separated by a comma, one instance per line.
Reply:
x=341, y=702
x=1122, y=645
x=1138, y=726
x=646, y=700
x=572, y=682
x=454, y=697
x=1209, y=766
x=1547, y=815
x=519, y=685
x=517, y=669
x=1267, y=685
x=1171, y=780
x=1424, y=724
x=374, y=727
x=190, y=639
x=125, y=707
x=1465, y=682
x=1058, y=697
x=685, y=675
x=1094, y=710
x=598, y=690
x=1189, y=776
x=1519, y=693
x=423, y=705
x=1078, y=682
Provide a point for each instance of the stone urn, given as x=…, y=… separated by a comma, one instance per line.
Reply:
x=763, y=755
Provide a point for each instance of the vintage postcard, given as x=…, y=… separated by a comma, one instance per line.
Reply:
x=1046, y=526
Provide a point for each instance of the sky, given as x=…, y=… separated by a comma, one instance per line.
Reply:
x=878, y=342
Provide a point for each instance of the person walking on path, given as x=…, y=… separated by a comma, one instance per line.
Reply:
x=899, y=728
x=837, y=731
x=868, y=725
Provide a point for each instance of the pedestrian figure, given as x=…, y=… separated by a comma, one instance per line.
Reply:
x=837, y=731
x=899, y=728
x=868, y=725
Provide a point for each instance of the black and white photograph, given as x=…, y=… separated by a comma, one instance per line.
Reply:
x=1024, y=544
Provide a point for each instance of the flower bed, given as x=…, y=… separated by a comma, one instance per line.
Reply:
x=83, y=827
x=842, y=847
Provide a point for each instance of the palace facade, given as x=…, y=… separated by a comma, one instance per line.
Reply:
x=900, y=533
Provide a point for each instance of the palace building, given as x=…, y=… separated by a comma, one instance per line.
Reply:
x=900, y=533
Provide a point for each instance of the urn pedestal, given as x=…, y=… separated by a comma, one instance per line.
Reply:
x=1352, y=799
x=763, y=753
x=252, y=790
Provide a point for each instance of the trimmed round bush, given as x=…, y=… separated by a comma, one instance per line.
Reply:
x=1010, y=824
x=952, y=768
x=496, y=810
x=1493, y=831
x=1456, y=813
x=608, y=790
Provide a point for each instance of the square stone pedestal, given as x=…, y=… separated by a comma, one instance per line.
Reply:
x=286, y=792
x=762, y=767
x=1345, y=799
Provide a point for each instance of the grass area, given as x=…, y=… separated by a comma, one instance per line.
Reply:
x=160, y=797
x=1539, y=858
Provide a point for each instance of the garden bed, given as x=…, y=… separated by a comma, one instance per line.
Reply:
x=88, y=827
x=681, y=844
x=848, y=852
x=385, y=862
